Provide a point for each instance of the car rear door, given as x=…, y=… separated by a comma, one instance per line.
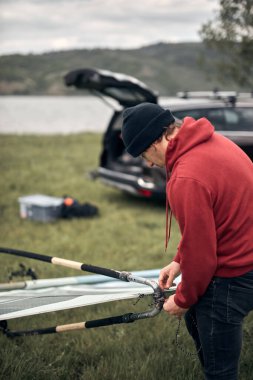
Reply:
x=127, y=90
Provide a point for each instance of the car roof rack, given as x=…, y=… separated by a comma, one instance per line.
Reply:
x=228, y=96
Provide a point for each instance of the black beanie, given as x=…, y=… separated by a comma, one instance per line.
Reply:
x=142, y=125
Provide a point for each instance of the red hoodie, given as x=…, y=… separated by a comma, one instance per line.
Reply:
x=210, y=192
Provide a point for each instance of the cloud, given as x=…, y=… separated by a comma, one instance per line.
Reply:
x=36, y=26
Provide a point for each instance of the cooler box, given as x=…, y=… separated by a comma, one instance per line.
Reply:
x=40, y=207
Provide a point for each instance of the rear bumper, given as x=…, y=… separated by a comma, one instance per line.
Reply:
x=133, y=184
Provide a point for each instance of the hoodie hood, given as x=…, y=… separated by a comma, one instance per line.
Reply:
x=191, y=133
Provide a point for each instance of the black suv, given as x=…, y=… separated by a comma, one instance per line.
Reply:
x=230, y=113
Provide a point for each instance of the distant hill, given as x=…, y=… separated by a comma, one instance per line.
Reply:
x=167, y=68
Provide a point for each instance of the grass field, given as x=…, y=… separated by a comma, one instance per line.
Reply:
x=128, y=234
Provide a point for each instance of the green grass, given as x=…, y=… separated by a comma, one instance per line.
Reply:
x=128, y=234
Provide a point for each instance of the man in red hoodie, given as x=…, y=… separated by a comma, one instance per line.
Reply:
x=210, y=193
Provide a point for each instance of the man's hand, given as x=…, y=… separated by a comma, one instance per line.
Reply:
x=171, y=307
x=166, y=278
x=168, y=274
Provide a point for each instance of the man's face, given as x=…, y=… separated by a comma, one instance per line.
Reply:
x=153, y=156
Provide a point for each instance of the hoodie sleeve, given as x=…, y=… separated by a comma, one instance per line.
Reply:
x=191, y=205
x=177, y=258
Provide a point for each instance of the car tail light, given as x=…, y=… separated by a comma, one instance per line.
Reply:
x=145, y=193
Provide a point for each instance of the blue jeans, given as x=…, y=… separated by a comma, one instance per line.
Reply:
x=215, y=324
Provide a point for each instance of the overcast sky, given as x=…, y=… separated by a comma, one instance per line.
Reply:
x=35, y=26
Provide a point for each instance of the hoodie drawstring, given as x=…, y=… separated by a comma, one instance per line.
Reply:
x=168, y=217
x=168, y=224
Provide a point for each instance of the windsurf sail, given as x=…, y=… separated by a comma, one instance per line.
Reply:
x=38, y=297
x=21, y=303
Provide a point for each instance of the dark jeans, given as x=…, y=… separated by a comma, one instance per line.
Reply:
x=215, y=323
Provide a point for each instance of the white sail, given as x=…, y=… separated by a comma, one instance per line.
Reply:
x=42, y=299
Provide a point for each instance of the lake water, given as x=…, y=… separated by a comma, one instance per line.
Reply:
x=53, y=114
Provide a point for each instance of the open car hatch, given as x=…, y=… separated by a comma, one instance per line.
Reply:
x=127, y=90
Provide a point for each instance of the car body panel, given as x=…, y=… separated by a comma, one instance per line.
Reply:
x=231, y=115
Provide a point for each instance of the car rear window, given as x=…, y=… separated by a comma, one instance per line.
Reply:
x=224, y=119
